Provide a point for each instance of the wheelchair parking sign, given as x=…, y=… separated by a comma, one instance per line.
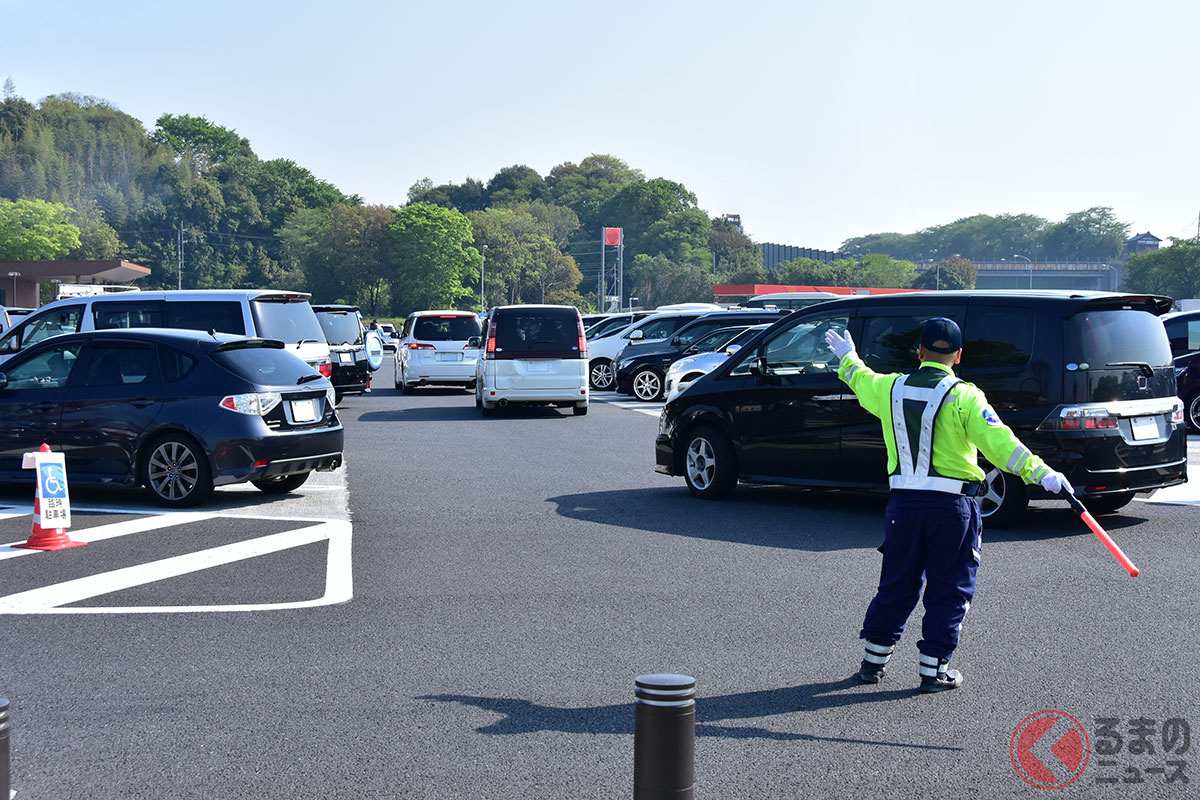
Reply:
x=53, y=501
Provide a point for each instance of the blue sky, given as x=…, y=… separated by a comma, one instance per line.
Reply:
x=814, y=121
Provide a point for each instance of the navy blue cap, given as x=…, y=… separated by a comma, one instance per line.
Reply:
x=944, y=331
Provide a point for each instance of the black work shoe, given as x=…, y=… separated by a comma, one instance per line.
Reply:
x=871, y=673
x=943, y=681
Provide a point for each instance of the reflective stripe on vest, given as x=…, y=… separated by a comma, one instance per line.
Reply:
x=917, y=476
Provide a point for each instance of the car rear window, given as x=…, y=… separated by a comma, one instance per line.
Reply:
x=341, y=327
x=291, y=322
x=539, y=333
x=222, y=316
x=445, y=328
x=268, y=366
x=1100, y=338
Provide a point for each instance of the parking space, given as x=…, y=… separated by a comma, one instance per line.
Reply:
x=242, y=551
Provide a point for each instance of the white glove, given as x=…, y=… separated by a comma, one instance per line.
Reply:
x=839, y=345
x=1055, y=482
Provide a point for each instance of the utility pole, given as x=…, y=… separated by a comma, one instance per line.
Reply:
x=621, y=271
x=600, y=300
x=179, y=252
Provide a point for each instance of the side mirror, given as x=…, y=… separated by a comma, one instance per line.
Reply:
x=760, y=370
x=637, y=336
x=733, y=348
x=474, y=341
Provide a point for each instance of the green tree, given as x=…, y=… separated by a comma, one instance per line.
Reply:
x=949, y=273
x=516, y=184
x=34, y=230
x=733, y=251
x=585, y=187
x=657, y=281
x=435, y=266
x=1172, y=271
x=1093, y=234
x=195, y=138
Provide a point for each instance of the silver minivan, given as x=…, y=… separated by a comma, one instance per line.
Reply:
x=532, y=355
x=263, y=313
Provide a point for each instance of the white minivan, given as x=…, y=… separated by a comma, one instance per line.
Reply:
x=263, y=313
x=433, y=350
x=534, y=355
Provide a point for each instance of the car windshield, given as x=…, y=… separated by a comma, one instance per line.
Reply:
x=291, y=322
x=1125, y=336
x=742, y=337
x=715, y=340
x=341, y=327
x=267, y=366
x=445, y=328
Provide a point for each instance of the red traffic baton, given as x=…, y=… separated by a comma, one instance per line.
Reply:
x=1090, y=521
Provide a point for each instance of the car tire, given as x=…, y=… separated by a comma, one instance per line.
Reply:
x=478, y=400
x=647, y=384
x=175, y=471
x=337, y=397
x=1005, y=500
x=709, y=465
x=398, y=379
x=1108, y=503
x=486, y=410
x=470, y=387
x=600, y=374
x=282, y=484
x=579, y=411
x=1192, y=413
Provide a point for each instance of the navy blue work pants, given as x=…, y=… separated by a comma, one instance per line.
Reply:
x=932, y=537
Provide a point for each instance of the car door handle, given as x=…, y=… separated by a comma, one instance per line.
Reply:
x=141, y=402
x=834, y=397
x=45, y=408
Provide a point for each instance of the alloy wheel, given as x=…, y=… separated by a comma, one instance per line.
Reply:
x=602, y=375
x=647, y=385
x=701, y=463
x=173, y=470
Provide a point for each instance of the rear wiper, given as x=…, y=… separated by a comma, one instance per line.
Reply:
x=1142, y=365
x=308, y=341
x=316, y=376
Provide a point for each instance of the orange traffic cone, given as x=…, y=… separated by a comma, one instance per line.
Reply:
x=47, y=538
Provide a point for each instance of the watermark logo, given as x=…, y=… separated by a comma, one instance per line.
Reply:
x=1050, y=749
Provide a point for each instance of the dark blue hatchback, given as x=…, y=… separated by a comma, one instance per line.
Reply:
x=176, y=411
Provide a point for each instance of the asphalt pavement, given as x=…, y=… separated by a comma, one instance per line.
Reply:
x=512, y=576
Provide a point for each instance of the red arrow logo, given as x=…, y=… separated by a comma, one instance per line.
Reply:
x=1070, y=749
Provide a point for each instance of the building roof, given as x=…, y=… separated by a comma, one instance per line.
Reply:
x=1146, y=235
x=76, y=271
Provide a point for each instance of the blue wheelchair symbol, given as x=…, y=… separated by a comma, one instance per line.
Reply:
x=54, y=481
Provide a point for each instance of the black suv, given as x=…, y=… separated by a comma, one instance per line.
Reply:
x=343, y=329
x=1085, y=379
x=641, y=371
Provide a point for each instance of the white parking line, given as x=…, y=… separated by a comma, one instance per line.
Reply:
x=338, y=575
x=650, y=409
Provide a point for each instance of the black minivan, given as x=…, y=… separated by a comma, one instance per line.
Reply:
x=1085, y=379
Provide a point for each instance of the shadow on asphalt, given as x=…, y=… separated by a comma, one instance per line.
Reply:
x=467, y=411
x=524, y=716
x=794, y=519
x=798, y=519
x=138, y=499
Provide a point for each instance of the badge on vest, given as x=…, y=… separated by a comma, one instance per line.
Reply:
x=990, y=417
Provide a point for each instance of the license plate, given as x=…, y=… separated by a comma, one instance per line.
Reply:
x=346, y=358
x=1144, y=428
x=537, y=366
x=304, y=410
x=449, y=356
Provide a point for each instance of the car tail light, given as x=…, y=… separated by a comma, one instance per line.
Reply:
x=1177, y=414
x=491, y=344
x=582, y=338
x=325, y=368
x=1075, y=418
x=331, y=396
x=420, y=346
x=252, y=403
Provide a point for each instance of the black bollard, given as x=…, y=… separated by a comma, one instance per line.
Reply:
x=664, y=737
x=4, y=783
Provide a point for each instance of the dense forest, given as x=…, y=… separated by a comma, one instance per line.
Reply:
x=80, y=179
